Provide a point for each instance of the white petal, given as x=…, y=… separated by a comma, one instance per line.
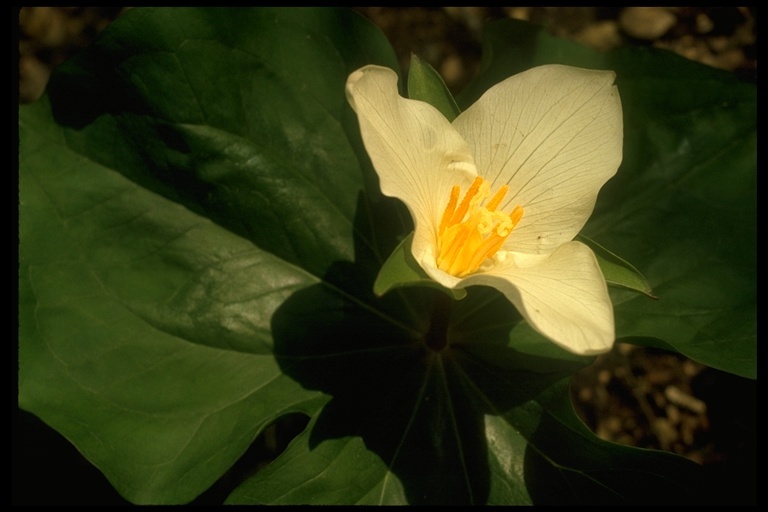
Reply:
x=416, y=152
x=562, y=295
x=554, y=134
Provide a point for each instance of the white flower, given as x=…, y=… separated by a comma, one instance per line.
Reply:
x=498, y=195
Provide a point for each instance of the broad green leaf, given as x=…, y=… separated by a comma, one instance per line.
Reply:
x=617, y=271
x=213, y=108
x=682, y=207
x=402, y=269
x=132, y=344
x=193, y=171
x=426, y=84
x=460, y=426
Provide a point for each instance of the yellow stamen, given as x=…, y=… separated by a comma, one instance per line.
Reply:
x=471, y=233
x=448, y=213
x=486, y=250
x=496, y=199
x=516, y=214
x=464, y=206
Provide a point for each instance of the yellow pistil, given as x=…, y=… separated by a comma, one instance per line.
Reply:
x=470, y=233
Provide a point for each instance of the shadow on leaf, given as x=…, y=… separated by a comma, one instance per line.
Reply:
x=415, y=392
x=574, y=467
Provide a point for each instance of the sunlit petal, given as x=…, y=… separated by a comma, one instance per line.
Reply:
x=416, y=152
x=554, y=134
x=562, y=295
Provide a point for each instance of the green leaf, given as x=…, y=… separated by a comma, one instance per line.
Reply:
x=123, y=345
x=617, y=271
x=459, y=426
x=184, y=181
x=402, y=269
x=682, y=206
x=566, y=464
x=426, y=84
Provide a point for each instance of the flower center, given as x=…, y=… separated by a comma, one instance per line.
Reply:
x=470, y=233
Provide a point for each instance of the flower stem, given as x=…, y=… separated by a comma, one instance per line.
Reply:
x=436, y=337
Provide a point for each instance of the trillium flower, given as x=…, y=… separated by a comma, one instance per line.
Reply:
x=498, y=195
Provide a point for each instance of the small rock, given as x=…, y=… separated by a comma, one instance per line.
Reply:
x=625, y=348
x=452, y=70
x=731, y=59
x=44, y=24
x=647, y=23
x=33, y=77
x=678, y=397
x=602, y=36
x=519, y=13
x=704, y=24
x=691, y=369
x=719, y=44
x=585, y=394
x=673, y=414
x=665, y=432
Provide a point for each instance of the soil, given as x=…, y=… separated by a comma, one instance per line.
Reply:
x=634, y=396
